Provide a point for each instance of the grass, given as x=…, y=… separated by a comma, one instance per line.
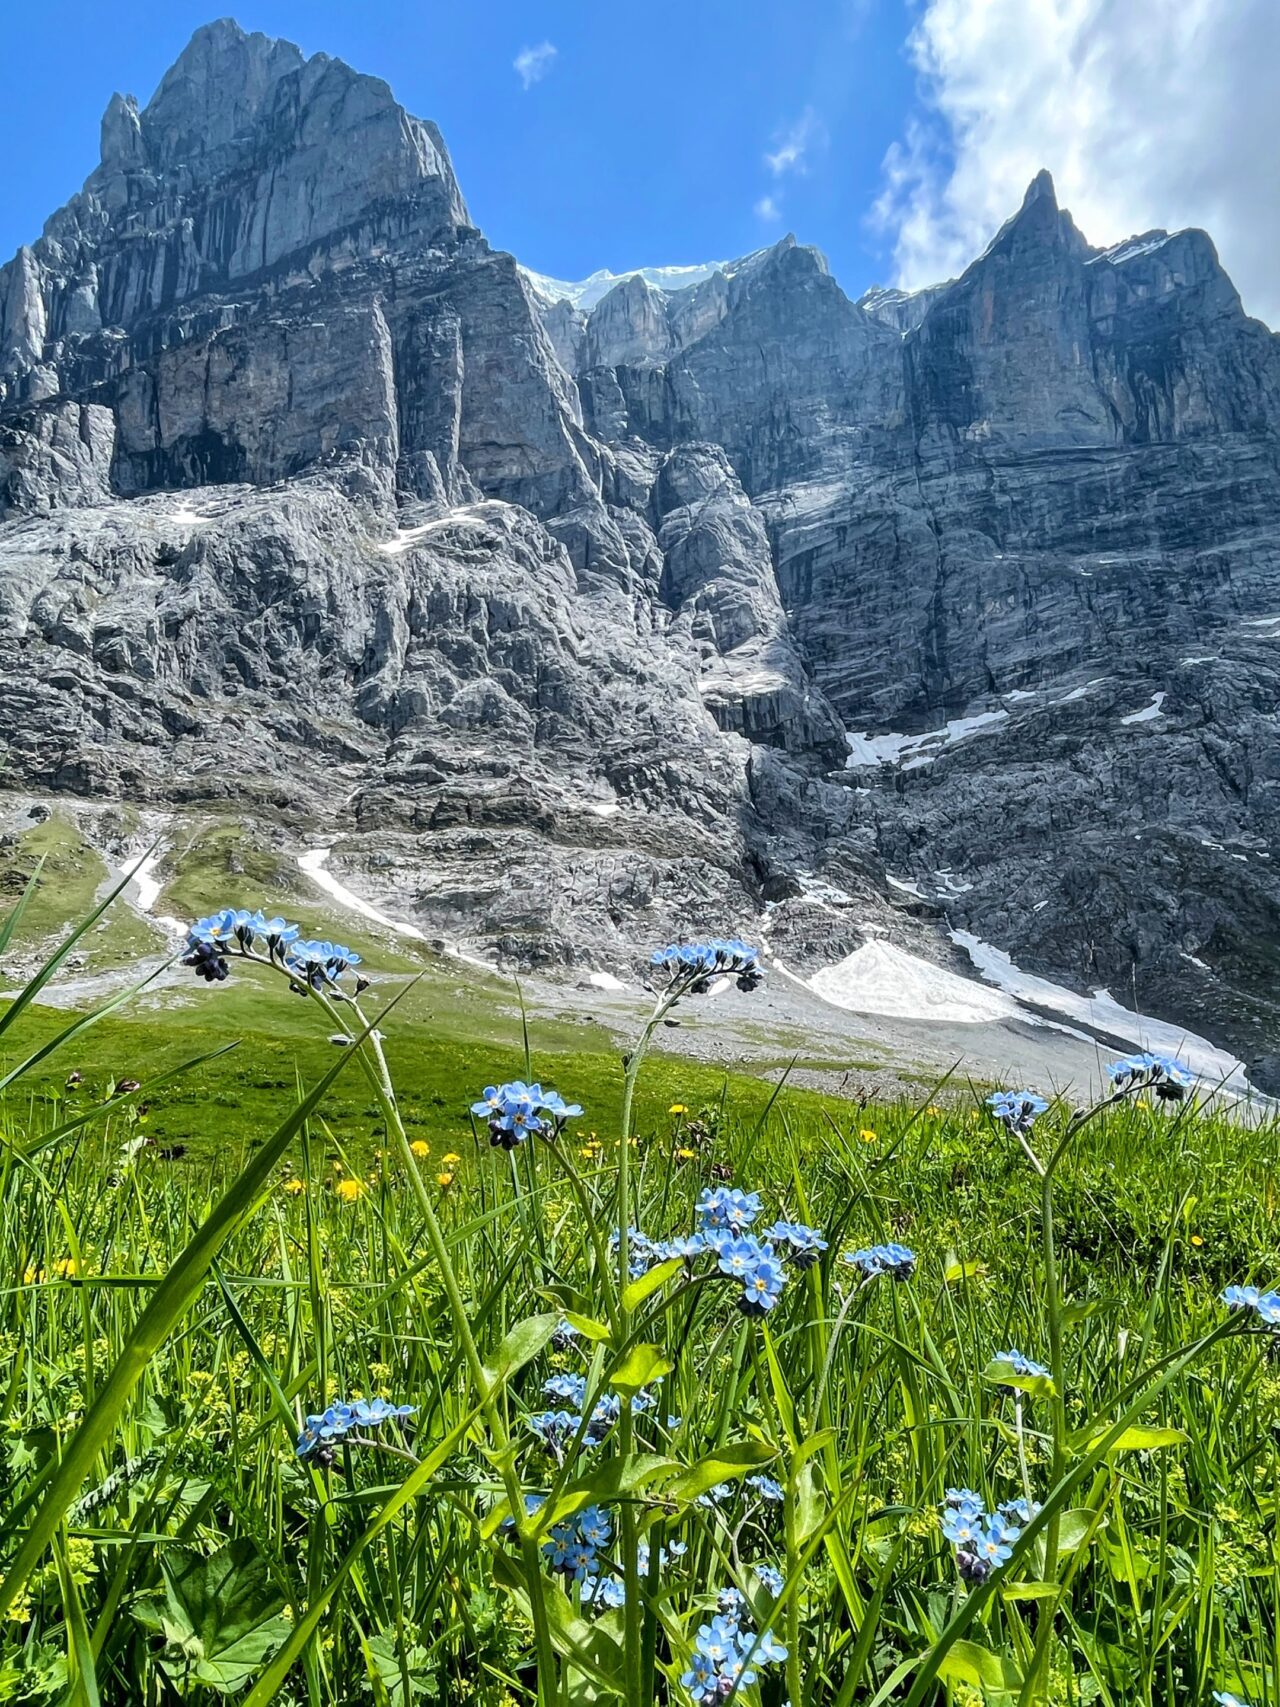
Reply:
x=74, y=874
x=200, y=1558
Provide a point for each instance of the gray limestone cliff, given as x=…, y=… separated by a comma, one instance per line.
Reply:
x=704, y=602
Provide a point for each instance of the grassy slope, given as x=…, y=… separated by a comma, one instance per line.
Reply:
x=73, y=879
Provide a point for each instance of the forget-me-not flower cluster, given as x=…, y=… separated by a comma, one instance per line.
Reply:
x=727, y=1653
x=1016, y=1110
x=1167, y=1077
x=693, y=965
x=723, y=1216
x=557, y=1428
x=514, y=1110
x=1024, y=1366
x=891, y=1259
x=1264, y=1305
x=983, y=1540
x=318, y=964
x=323, y=1431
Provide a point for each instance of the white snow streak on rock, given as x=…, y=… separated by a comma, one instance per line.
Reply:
x=912, y=751
x=1148, y=714
x=313, y=864
x=1104, y=1013
x=142, y=872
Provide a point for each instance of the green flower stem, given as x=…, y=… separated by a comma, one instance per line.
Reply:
x=379, y=1077
x=632, y=1635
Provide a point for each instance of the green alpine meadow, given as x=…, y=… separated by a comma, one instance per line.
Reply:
x=577, y=1395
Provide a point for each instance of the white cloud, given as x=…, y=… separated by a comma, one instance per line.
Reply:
x=533, y=63
x=794, y=144
x=767, y=208
x=1160, y=114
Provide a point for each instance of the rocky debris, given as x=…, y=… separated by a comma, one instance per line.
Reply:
x=563, y=597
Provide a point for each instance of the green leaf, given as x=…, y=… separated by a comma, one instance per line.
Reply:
x=955, y=1271
x=968, y=1662
x=613, y=1479
x=1139, y=1439
x=1075, y=1525
x=521, y=1346
x=642, y=1364
x=1002, y=1372
x=1029, y=1591
x=587, y=1326
x=727, y=1464
x=634, y=1294
x=220, y=1615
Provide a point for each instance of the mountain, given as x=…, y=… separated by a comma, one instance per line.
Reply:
x=946, y=618
x=585, y=293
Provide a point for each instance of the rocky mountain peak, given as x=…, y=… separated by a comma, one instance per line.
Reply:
x=308, y=496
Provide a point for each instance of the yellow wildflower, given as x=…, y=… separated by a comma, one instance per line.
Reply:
x=677, y=1108
x=420, y=1148
x=1196, y=1239
x=449, y=1159
x=444, y=1180
x=868, y=1136
x=294, y=1187
x=348, y=1190
x=33, y=1276
x=686, y=1155
x=66, y=1268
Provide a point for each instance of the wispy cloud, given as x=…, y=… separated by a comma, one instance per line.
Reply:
x=1154, y=115
x=794, y=143
x=767, y=208
x=532, y=63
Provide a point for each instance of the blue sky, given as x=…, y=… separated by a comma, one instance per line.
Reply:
x=642, y=142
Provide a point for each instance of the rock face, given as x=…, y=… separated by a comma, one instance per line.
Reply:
x=310, y=500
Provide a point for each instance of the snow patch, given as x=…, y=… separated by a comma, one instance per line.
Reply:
x=602, y=808
x=312, y=865
x=142, y=872
x=906, y=885
x=585, y=293
x=1103, y=1013
x=881, y=979
x=913, y=751
x=1148, y=714
x=605, y=981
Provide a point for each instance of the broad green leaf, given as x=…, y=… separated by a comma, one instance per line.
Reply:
x=220, y=1615
x=1074, y=1526
x=642, y=1364
x=1002, y=1372
x=1029, y=1591
x=591, y=1646
x=635, y=1293
x=1134, y=1439
x=587, y=1326
x=521, y=1346
x=956, y=1271
x=614, y=1479
x=968, y=1662
x=1139, y=1439
x=727, y=1464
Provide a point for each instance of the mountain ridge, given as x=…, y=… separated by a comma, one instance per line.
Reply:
x=309, y=499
